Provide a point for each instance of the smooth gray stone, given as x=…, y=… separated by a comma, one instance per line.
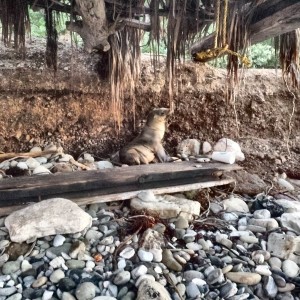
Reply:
x=192, y=290
x=269, y=286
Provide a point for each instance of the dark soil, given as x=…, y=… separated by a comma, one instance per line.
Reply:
x=72, y=108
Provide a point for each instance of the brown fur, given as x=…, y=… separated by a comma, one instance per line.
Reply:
x=147, y=145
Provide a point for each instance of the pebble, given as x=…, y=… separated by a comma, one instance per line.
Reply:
x=181, y=223
x=11, y=267
x=288, y=288
x=275, y=262
x=193, y=246
x=228, y=290
x=68, y=296
x=7, y=291
x=58, y=240
x=56, y=276
x=47, y=295
x=85, y=291
x=122, y=278
x=170, y=261
x=192, y=290
x=127, y=253
x=17, y=296
x=269, y=286
x=81, y=266
x=39, y=282
x=145, y=256
x=263, y=270
x=75, y=264
x=290, y=268
x=262, y=214
x=139, y=271
x=192, y=274
x=244, y=277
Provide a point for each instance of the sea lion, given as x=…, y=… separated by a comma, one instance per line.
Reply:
x=147, y=145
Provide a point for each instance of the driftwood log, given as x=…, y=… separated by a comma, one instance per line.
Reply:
x=112, y=184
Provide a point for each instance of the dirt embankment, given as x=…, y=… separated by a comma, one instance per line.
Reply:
x=73, y=109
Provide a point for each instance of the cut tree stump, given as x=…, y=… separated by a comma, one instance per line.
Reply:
x=86, y=187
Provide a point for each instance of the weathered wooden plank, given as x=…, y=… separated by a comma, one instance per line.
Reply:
x=104, y=180
x=89, y=198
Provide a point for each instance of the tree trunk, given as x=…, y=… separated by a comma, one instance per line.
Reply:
x=93, y=28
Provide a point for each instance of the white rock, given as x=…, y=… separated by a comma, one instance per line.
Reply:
x=25, y=265
x=145, y=256
x=289, y=205
x=47, y=295
x=22, y=165
x=235, y=205
x=228, y=145
x=57, y=275
x=284, y=246
x=41, y=159
x=88, y=157
x=121, y=263
x=5, y=165
x=36, y=149
x=58, y=240
x=263, y=270
x=290, y=268
x=66, y=158
x=48, y=165
x=57, y=262
x=189, y=147
x=139, y=271
x=12, y=164
x=144, y=277
x=285, y=184
x=249, y=239
x=127, y=253
x=291, y=221
x=206, y=147
x=262, y=214
x=193, y=246
x=32, y=163
x=148, y=288
x=104, y=164
x=147, y=196
x=269, y=224
x=168, y=207
x=41, y=170
x=48, y=217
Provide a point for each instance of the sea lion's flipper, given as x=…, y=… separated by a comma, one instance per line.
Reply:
x=130, y=157
x=161, y=154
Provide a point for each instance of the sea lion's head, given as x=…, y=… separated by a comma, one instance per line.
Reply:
x=157, y=116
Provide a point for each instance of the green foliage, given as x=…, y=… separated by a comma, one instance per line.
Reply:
x=262, y=55
x=37, y=23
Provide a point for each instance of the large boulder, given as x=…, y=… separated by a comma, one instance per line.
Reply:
x=48, y=217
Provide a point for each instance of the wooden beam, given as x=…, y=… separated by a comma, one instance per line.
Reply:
x=89, y=199
x=105, y=182
x=270, y=19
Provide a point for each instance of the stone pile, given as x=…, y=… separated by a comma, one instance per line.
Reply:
x=246, y=248
x=50, y=163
